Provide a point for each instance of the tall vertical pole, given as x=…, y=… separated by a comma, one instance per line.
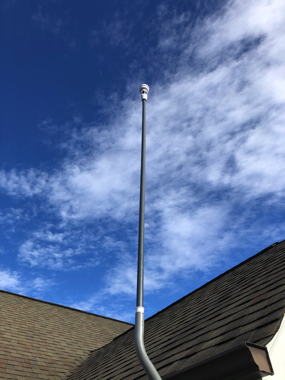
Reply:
x=140, y=279
x=139, y=324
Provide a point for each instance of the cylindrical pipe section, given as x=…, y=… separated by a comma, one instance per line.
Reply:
x=140, y=277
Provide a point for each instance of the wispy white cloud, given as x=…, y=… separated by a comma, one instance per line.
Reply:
x=10, y=280
x=14, y=281
x=57, y=250
x=215, y=143
x=23, y=183
x=215, y=148
x=39, y=285
x=13, y=216
x=52, y=256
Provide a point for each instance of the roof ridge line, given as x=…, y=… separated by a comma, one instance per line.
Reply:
x=215, y=278
x=180, y=299
x=66, y=307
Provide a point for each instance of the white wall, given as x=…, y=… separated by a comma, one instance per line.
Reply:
x=276, y=349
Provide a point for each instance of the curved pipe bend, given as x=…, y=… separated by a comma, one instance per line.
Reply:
x=140, y=349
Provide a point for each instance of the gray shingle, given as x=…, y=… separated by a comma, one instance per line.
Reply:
x=43, y=340
x=246, y=303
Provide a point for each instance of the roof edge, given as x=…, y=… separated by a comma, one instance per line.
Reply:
x=245, y=361
x=215, y=278
x=66, y=307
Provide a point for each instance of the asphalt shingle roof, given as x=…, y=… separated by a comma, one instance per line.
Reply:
x=245, y=304
x=41, y=340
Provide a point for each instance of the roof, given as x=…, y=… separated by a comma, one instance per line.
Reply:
x=44, y=340
x=245, y=304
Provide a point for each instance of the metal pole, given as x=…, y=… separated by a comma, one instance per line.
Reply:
x=142, y=210
x=139, y=324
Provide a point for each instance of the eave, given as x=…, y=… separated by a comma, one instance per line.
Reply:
x=246, y=361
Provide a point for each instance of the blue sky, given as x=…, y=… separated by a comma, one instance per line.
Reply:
x=70, y=150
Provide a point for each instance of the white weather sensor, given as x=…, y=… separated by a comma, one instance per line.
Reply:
x=144, y=89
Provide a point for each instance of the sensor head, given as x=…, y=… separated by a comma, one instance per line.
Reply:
x=144, y=89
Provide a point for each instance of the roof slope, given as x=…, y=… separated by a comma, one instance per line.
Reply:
x=246, y=303
x=46, y=341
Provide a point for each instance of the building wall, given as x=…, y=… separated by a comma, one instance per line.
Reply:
x=46, y=341
x=276, y=349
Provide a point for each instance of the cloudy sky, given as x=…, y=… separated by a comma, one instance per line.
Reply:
x=70, y=150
